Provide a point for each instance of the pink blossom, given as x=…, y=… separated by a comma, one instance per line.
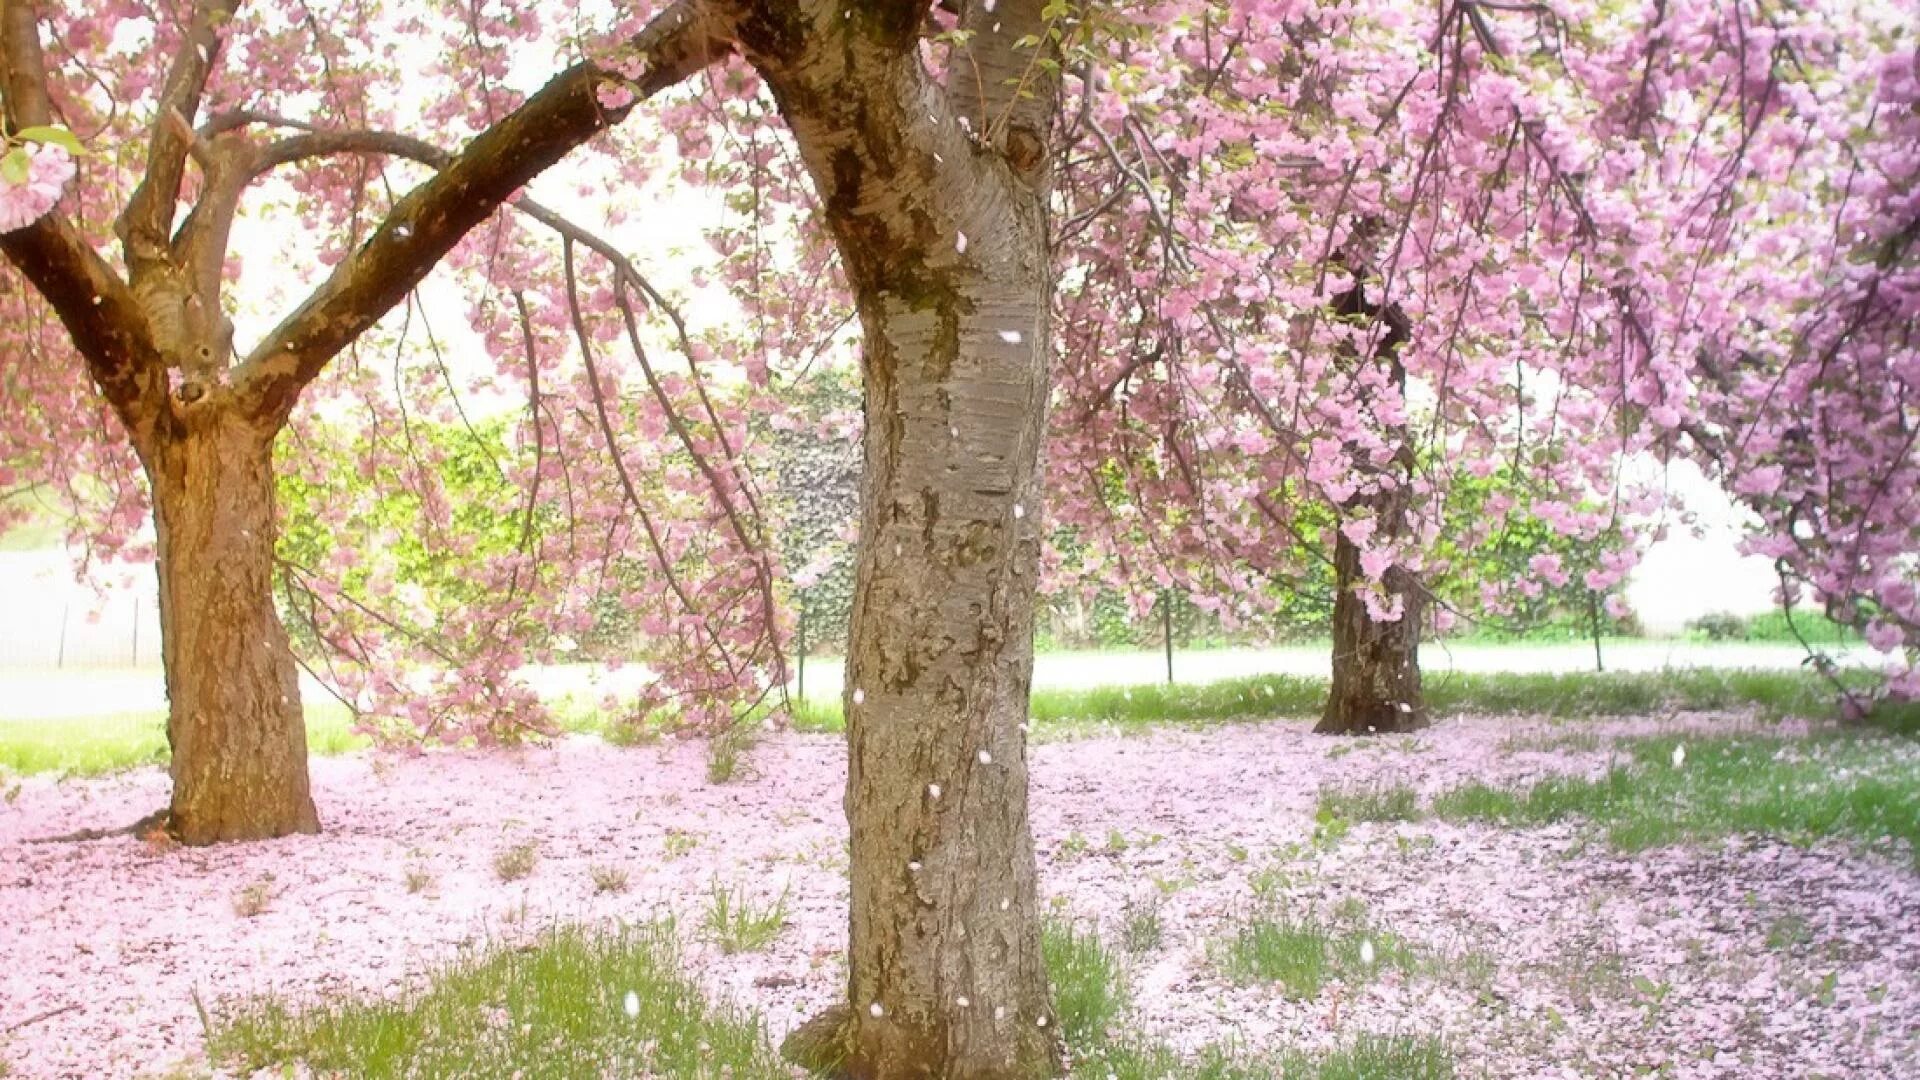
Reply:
x=49, y=170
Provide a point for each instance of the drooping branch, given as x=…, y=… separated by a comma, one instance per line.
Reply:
x=427, y=222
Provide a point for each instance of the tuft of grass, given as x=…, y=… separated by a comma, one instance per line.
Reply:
x=1089, y=984
x=727, y=751
x=607, y=879
x=1372, y=802
x=1859, y=786
x=1141, y=928
x=515, y=862
x=1787, y=932
x=254, y=898
x=418, y=879
x=1375, y=1057
x=1303, y=955
x=736, y=924
x=571, y=1004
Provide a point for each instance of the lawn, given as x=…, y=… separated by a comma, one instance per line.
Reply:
x=1625, y=886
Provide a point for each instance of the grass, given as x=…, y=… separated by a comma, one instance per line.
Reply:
x=570, y=1004
x=1772, y=694
x=516, y=862
x=87, y=747
x=1372, y=802
x=1141, y=928
x=1368, y=1057
x=1855, y=786
x=737, y=925
x=1090, y=988
x=103, y=744
x=607, y=879
x=1303, y=955
x=1091, y=991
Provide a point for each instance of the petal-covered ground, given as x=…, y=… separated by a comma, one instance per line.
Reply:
x=1540, y=952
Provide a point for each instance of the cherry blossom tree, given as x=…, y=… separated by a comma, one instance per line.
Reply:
x=217, y=103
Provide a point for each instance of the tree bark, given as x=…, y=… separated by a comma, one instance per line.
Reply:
x=235, y=725
x=1376, y=664
x=937, y=205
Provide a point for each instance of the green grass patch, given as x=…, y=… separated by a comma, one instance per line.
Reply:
x=96, y=745
x=1089, y=984
x=572, y=1004
x=1772, y=694
x=1370, y=802
x=1302, y=955
x=1859, y=786
x=1368, y=1057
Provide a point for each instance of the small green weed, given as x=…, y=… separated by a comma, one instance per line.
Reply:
x=733, y=922
x=607, y=879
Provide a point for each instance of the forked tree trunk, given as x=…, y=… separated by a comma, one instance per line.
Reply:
x=943, y=233
x=1376, y=665
x=234, y=722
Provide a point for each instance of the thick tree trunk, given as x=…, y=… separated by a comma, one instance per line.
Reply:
x=234, y=723
x=1376, y=665
x=937, y=205
x=945, y=970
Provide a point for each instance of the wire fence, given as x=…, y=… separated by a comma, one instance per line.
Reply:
x=50, y=621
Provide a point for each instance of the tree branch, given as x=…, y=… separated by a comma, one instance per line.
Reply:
x=96, y=307
x=428, y=221
x=147, y=222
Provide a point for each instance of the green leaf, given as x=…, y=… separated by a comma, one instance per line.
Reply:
x=56, y=136
x=13, y=167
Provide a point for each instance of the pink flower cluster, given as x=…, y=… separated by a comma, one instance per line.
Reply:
x=49, y=170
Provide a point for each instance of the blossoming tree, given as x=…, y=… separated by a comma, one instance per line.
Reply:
x=1288, y=251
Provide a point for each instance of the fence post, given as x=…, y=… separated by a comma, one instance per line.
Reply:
x=136, y=631
x=801, y=693
x=1166, y=630
x=1593, y=614
x=60, y=659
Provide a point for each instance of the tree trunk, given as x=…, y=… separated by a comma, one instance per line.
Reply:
x=937, y=203
x=946, y=977
x=234, y=724
x=1376, y=665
